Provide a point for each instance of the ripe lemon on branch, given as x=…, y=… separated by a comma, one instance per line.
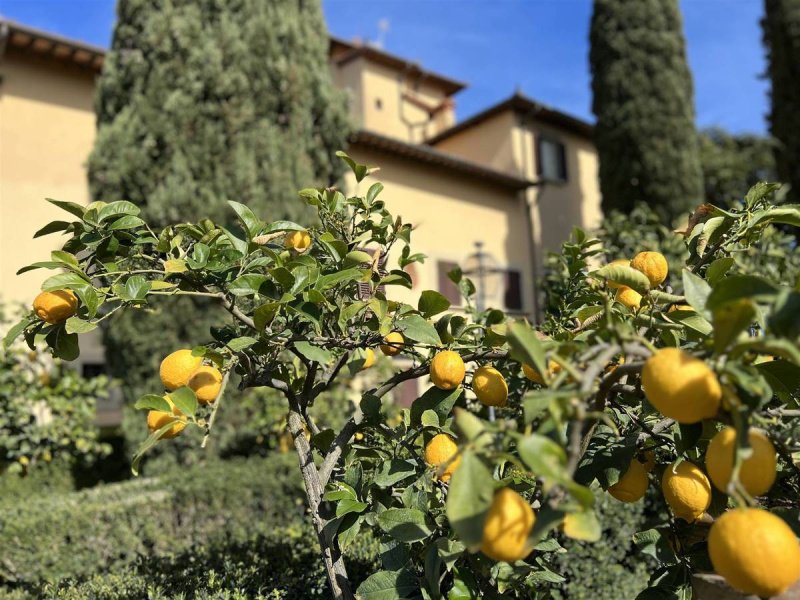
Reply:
x=489, y=386
x=628, y=297
x=757, y=472
x=632, y=486
x=369, y=358
x=206, y=383
x=56, y=306
x=156, y=419
x=178, y=367
x=393, y=343
x=652, y=264
x=681, y=386
x=440, y=451
x=533, y=374
x=687, y=491
x=755, y=551
x=447, y=370
x=508, y=523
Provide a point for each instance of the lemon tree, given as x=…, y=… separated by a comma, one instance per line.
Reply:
x=623, y=388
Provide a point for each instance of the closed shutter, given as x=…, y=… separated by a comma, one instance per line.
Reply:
x=405, y=393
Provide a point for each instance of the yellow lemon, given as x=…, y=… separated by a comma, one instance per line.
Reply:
x=369, y=359
x=755, y=551
x=178, y=367
x=297, y=240
x=393, y=343
x=687, y=491
x=508, y=522
x=156, y=419
x=533, y=375
x=628, y=297
x=206, y=383
x=632, y=486
x=56, y=306
x=756, y=474
x=619, y=262
x=652, y=264
x=681, y=386
x=447, y=370
x=439, y=451
x=613, y=366
x=489, y=386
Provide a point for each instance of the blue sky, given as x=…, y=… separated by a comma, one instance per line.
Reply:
x=497, y=46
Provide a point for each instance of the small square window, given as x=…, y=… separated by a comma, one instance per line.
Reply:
x=512, y=296
x=551, y=160
x=378, y=104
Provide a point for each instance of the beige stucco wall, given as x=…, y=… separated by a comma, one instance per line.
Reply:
x=490, y=143
x=46, y=133
x=450, y=212
x=397, y=117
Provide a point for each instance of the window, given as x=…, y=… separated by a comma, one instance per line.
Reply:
x=378, y=104
x=91, y=370
x=447, y=288
x=551, y=160
x=512, y=297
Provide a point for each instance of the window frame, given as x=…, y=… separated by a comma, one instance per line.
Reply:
x=544, y=138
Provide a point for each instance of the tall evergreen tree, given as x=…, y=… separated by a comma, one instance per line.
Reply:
x=781, y=25
x=205, y=101
x=643, y=101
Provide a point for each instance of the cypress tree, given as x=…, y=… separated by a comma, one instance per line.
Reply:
x=643, y=100
x=201, y=102
x=781, y=26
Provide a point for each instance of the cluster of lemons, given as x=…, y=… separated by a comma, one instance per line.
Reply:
x=510, y=517
x=684, y=388
x=652, y=264
x=183, y=369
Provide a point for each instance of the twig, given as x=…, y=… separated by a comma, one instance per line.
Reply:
x=217, y=402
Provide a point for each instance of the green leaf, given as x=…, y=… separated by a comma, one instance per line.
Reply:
x=347, y=506
x=373, y=191
x=468, y=500
x=394, y=471
x=416, y=328
x=281, y=226
x=70, y=207
x=240, y=343
x=432, y=303
x=526, y=346
x=64, y=257
x=439, y=401
x=247, y=285
x=696, y=291
x=136, y=288
x=784, y=319
x=64, y=280
x=113, y=209
x=126, y=222
x=175, y=265
x=152, y=402
x=624, y=275
x=64, y=345
x=185, y=400
x=730, y=320
x=405, y=524
x=314, y=353
x=717, y=269
x=14, y=332
x=357, y=257
x=544, y=456
x=583, y=526
x=388, y=585
x=52, y=227
x=333, y=279
x=759, y=191
x=264, y=314
x=77, y=325
x=250, y=223
x=740, y=286
x=148, y=444
x=360, y=171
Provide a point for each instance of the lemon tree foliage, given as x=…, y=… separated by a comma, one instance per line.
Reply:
x=470, y=503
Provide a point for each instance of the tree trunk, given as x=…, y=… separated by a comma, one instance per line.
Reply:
x=334, y=562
